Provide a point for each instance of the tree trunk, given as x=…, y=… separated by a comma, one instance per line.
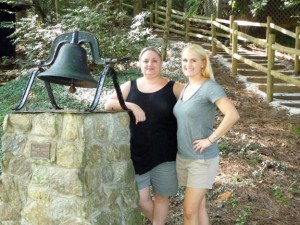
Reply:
x=166, y=30
x=38, y=9
x=55, y=3
x=138, y=7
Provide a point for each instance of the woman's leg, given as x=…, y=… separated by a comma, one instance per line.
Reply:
x=164, y=184
x=193, y=206
x=146, y=203
x=161, y=210
x=203, y=216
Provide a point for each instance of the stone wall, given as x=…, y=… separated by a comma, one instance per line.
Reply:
x=67, y=169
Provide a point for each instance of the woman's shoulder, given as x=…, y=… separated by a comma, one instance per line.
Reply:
x=177, y=88
x=212, y=83
x=213, y=88
x=127, y=83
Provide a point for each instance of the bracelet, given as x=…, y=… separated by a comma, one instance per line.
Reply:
x=209, y=140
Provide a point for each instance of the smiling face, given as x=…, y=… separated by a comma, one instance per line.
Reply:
x=151, y=63
x=191, y=64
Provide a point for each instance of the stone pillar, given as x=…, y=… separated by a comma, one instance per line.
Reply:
x=67, y=169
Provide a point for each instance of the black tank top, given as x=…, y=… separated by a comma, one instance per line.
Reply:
x=154, y=140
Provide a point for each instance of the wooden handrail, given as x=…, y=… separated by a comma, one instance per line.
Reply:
x=214, y=28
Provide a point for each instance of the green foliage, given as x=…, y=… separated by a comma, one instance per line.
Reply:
x=6, y=24
x=243, y=218
x=215, y=192
x=294, y=187
x=115, y=39
x=233, y=202
x=296, y=130
x=34, y=38
x=239, y=7
x=279, y=195
x=13, y=2
x=194, y=6
x=38, y=98
x=254, y=160
x=11, y=94
x=225, y=147
x=261, y=8
x=250, y=147
x=258, y=7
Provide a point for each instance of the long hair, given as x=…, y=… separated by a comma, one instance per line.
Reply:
x=200, y=52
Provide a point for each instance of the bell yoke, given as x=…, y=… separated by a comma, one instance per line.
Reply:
x=69, y=66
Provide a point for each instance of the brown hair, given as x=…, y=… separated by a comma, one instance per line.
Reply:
x=150, y=49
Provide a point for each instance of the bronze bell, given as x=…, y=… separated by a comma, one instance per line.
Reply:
x=70, y=68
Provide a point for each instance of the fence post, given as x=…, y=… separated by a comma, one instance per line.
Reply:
x=151, y=16
x=121, y=10
x=234, y=48
x=166, y=34
x=156, y=15
x=213, y=35
x=268, y=29
x=231, y=19
x=121, y=5
x=271, y=59
x=297, y=47
x=187, y=29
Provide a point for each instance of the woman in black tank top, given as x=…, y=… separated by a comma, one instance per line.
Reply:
x=153, y=128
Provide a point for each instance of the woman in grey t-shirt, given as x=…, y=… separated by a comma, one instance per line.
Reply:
x=198, y=154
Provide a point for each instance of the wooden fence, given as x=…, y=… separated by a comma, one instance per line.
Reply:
x=216, y=30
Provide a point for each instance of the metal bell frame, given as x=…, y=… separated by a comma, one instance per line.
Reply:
x=77, y=37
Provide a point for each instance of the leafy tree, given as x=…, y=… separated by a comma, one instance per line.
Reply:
x=262, y=8
x=34, y=38
x=193, y=7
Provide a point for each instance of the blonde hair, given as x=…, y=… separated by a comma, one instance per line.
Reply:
x=200, y=52
x=150, y=49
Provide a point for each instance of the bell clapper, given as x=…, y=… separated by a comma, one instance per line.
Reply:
x=72, y=88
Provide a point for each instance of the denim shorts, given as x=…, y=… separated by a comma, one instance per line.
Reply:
x=162, y=178
x=197, y=173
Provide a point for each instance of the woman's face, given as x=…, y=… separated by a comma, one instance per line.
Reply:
x=151, y=63
x=191, y=64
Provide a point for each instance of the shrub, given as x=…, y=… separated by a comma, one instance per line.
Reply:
x=117, y=35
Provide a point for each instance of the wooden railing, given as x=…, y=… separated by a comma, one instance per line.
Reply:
x=216, y=30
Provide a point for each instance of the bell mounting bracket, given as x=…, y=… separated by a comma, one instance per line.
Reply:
x=77, y=37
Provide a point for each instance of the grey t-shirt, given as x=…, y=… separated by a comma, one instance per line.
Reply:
x=196, y=118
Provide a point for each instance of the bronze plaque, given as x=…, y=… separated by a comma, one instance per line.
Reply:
x=40, y=150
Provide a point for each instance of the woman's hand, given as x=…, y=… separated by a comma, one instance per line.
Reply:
x=201, y=144
x=138, y=113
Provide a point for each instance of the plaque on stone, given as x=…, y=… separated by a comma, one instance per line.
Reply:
x=40, y=150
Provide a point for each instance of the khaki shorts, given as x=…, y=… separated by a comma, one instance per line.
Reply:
x=197, y=173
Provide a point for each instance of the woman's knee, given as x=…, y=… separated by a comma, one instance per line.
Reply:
x=144, y=196
x=189, y=211
x=161, y=199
